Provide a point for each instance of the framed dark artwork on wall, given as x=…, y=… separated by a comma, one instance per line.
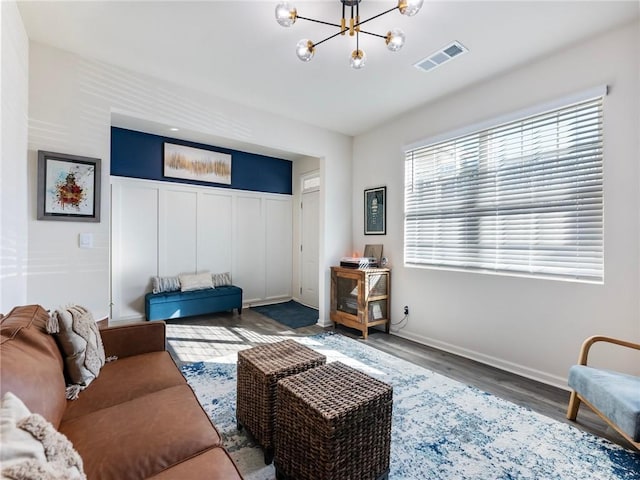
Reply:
x=68, y=187
x=375, y=211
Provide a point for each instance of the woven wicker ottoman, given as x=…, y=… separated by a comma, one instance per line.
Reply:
x=259, y=369
x=333, y=423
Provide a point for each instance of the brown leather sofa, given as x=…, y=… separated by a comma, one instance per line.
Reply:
x=139, y=419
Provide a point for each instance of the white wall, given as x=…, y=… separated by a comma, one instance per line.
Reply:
x=178, y=228
x=530, y=326
x=14, y=47
x=71, y=100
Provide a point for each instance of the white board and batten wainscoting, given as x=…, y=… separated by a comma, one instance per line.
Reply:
x=162, y=228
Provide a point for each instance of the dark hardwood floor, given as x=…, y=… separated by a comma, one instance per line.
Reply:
x=222, y=335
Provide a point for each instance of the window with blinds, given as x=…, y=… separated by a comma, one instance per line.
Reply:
x=523, y=197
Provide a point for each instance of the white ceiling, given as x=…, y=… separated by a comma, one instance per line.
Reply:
x=236, y=50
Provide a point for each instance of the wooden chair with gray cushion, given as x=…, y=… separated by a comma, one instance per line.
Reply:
x=614, y=396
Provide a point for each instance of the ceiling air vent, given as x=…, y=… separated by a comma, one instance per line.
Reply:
x=443, y=55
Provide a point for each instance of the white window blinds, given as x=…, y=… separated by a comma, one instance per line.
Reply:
x=522, y=197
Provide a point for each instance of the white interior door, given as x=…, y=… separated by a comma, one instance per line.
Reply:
x=309, y=234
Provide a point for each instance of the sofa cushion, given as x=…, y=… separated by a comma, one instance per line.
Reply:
x=28, y=352
x=199, y=281
x=142, y=437
x=126, y=379
x=615, y=394
x=81, y=344
x=214, y=464
x=32, y=449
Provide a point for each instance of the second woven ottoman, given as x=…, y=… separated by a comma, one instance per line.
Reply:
x=259, y=369
x=333, y=423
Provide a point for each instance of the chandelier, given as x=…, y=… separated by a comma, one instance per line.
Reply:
x=286, y=15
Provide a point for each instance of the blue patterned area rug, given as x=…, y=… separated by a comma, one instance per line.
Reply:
x=442, y=429
x=291, y=313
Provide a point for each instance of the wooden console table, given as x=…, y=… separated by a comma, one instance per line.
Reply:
x=360, y=298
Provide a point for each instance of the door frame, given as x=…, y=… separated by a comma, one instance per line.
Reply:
x=303, y=177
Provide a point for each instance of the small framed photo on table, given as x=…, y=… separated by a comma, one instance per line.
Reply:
x=375, y=211
x=68, y=187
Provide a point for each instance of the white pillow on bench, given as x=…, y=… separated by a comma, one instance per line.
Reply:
x=199, y=281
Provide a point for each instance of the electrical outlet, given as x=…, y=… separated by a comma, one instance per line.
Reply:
x=406, y=310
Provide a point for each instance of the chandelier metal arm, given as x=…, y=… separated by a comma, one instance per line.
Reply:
x=315, y=44
x=373, y=34
x=318, y=21
x=346, y=29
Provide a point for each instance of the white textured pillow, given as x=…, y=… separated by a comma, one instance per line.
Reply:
x=31, y=448
x=221, y=279
x=199, y=281
x=166, y=284
x=81, y=345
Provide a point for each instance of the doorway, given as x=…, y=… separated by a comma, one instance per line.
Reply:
x=309, y=238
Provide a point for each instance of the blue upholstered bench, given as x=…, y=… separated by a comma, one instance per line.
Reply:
x=166, y=305
x=614, y=396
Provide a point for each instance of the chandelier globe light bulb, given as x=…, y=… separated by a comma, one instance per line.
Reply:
x=286, y=14
x=305, y=50
x=409, y=7
x=358, y=59
x=395, y=39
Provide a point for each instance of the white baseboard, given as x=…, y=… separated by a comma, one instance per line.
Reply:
x=260, y=303
x=521, y=370
x=324, y=323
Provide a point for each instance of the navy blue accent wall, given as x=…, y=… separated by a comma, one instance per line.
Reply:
x=140, y=155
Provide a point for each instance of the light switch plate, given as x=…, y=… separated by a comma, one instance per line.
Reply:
x=86, y=240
